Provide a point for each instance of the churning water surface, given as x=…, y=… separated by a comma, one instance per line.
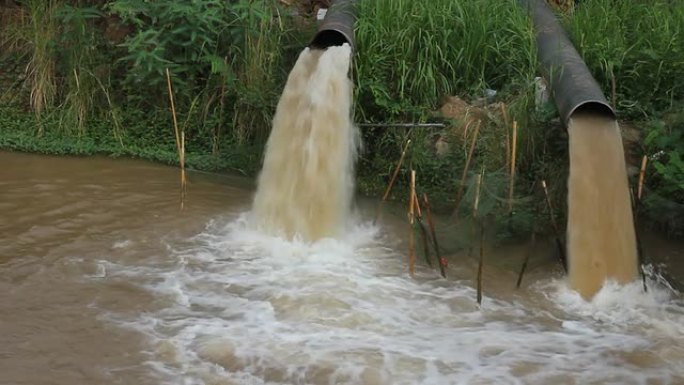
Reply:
x=105, y=281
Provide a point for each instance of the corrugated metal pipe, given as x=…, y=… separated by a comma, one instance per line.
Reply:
x=572, y=85
x=337, y=27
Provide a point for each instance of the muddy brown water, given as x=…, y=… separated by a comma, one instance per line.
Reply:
x=103, y=280
x=60, y=217
x=601, y=239
x=306, y=182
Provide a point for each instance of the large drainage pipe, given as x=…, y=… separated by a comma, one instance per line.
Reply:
x=572, y=85
x=337, y=27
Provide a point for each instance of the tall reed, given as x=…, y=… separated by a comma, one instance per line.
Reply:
x=259, y=72
x=79, y=55
x=41, y=72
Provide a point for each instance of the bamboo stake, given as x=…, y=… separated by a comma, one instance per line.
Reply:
x=559, y=244
x=533, y=241
x=423, y=231
x=478, y=220
x=173, y=110
x=180, y=141
x=512, y=165
x=392, y=180
x=504, y=113
x=642, y=174
x=443, y=263
x=459, y=195
x=478, y=184
x=182, y=165
x=412, y=246
x=640, y=251
x=636, y=207
x=480, y=265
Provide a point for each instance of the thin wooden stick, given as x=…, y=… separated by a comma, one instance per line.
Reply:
x=173, y=110
x=480, y=265
x=443, y=263
x=559, y=244
x=512, y=165
x=479, y=222
x=533, y=241
x=180, y=141
x=640, y=250
x=504, y=113
x=392, y=180
x=182, y=165
x=412, y=246
x=473, y=142
x=642, y=174
x=478, y=185
x=636, y=208
x=423, y=231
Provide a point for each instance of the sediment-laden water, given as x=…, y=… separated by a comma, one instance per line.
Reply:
x=601, y=239
x=306, y=183
x=104, y=280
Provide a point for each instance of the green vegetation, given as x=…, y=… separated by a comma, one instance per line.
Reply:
x=88, y=76
x=664, y=198
x=412, y=53
x=635, y=50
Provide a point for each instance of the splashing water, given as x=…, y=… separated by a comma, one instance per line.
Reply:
x=601, y=237
x=242, y=307
x=305, y=186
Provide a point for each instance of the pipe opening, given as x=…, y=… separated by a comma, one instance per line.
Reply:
x=593, y=107
x=328, y=38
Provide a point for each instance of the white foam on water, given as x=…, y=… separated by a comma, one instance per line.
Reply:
x=240, y=307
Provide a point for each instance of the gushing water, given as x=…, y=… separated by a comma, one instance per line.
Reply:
x=601, y=237
x=305, y=186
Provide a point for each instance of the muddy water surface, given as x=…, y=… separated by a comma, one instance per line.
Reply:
x=63, y=220
x=103, y=280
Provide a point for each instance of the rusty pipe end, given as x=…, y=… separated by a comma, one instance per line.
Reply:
x=337, y=27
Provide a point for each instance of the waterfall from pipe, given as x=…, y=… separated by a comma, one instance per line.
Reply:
x=601, y=235
x=305, y=186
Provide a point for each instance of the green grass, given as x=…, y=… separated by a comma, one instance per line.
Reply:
x=413, y=53
x=638, y=46
x=41, y=68
x=146, y=137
